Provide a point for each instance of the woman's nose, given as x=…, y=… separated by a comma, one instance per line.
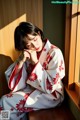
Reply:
x=34, y=45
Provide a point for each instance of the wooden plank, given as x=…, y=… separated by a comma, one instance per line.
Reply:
x=59, y=113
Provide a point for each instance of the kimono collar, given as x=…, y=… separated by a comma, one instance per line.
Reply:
x=44, y=51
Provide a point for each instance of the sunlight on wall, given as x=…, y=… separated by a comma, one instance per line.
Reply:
x=7, y=38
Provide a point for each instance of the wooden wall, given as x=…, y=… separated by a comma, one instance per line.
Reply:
x=12, y=12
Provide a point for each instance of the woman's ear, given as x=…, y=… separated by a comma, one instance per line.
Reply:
x=39, y=33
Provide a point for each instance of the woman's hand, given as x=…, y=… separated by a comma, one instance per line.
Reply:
x=33, y=56
x=28, y=55
x=24, y=56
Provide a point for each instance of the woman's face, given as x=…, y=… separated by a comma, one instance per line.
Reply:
x=34, y=42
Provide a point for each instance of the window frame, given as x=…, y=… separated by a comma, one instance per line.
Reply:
x=72, y=54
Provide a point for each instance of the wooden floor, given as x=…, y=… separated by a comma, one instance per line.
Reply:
x=59, y=113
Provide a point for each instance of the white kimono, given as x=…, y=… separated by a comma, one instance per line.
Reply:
x=35, y=88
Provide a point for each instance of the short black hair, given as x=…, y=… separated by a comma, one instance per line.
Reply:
x=21, y=31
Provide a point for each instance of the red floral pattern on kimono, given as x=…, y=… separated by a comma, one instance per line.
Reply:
x=61, y=66
x=1, y=108
x=48, y=84
x=48, y=59
x=20, y=105
x=56, y=78
x=33, y=77
x=54, y=94
x=45, y=65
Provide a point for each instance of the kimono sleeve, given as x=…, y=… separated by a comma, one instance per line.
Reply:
x=16, y=81
x=9, y=71
x=47, y=77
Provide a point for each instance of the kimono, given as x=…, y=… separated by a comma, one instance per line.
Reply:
x=35, y=87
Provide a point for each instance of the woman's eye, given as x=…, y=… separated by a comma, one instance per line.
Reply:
x=28, y=45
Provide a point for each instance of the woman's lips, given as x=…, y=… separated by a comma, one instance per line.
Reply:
x=37, y=48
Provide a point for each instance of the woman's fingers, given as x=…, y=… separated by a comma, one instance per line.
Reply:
x=27, y=54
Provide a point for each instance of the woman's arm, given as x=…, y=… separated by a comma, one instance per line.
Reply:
x=16, y=73
x=47, y=77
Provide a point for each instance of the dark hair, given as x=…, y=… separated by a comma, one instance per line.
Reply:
x=21, y=31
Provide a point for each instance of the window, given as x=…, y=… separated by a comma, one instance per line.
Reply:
x=72, y=52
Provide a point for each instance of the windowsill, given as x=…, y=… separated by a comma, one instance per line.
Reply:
x=73, y=95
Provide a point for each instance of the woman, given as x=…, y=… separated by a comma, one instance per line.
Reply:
x=35, y=78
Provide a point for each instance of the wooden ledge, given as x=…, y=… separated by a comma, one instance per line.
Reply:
x=59, y=113
x=74, y=96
